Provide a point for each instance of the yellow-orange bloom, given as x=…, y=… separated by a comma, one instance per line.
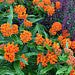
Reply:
x=22, y=15
x=72, y=71
x=56, y=46
x=6, y=29
x=73, y=44
x=39, y=39
x=1, y=0
x=52, y=31
x=10, y=1
x=57, y=5
x=20, y=8
x=60, y=38
x=41, y=4
x=35, y=1
x=57, y=26
x=25, y=36
x=9, y=56
x=11, y=48
x=50, y=10
x=47, y=41
x=63, y=42
x=65, y=34
x=15, y=28
x=27, y=23
x=22, y=64
x=47, y=2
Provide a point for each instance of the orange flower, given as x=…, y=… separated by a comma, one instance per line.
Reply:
x=11, y=48
x=47, y=41
x=15, y=28
x=56, y=46
x=22, y=15
x=8, y=10
x=73, y=44
x=6, y=29
x=22, y=64
x=63, y=42
x=35, y=1
x=1, y=0
x=41, y=4
x=65, y=34
x=20, y=8
x=27, y=23
x=10, y=1
x=72, y=71
x=47, y=2
x=50, y=10
x=57, y=26
x=2, y=46
x=39, y=39
x=9, y=56
x=57, y=5
x=25, y=36
x=42, y=59
x=52, y=31
x=51, y=57
x=60, y=38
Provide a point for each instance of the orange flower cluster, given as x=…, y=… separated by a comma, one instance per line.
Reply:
x=60, y=38
x=65, y=34
x=50, y=57
x=47, y=41
x=55, y=27
x=1, y=0
x=27, y=23
x=63, y=42
x=10, y=51
x=56, y=46
x=7, y=30
x=22, y=64
x=58, y=51
x=21, y=10
x=39, y=39
x=10, y=1
x=35, y=1
x=72, y=72
x=46, y=5
x=73, y=44
x=2, y=46
x=25, y=36
x=57, y=5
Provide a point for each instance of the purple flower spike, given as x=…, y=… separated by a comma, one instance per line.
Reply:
x=20, y=23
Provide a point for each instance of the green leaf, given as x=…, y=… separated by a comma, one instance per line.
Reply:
x=10, y=16
x=1, y=58
x=49, y=48
x=33, y=20
x=66, y=44
x=1, y=51
x=61, y=70
x=49, y=67
x=52, y=4
x=21, y=59
x=31, y=16
x=30, y=54
x=17, y=67
x=4, y=72
x=46, y=36
x=40, y=48
x=31, y=44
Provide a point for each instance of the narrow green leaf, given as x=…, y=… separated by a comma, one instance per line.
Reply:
x=40, y=48
x=31, y=44
x=69, y=69
x=18, y=68
x=31, y=16
x=10, y=16
x=21, y=59
x=1, y=51
x=52, y=4
x=49, y=48
x=49, y=67
x=61, y=70
x=66, y=44
x=30, y=54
